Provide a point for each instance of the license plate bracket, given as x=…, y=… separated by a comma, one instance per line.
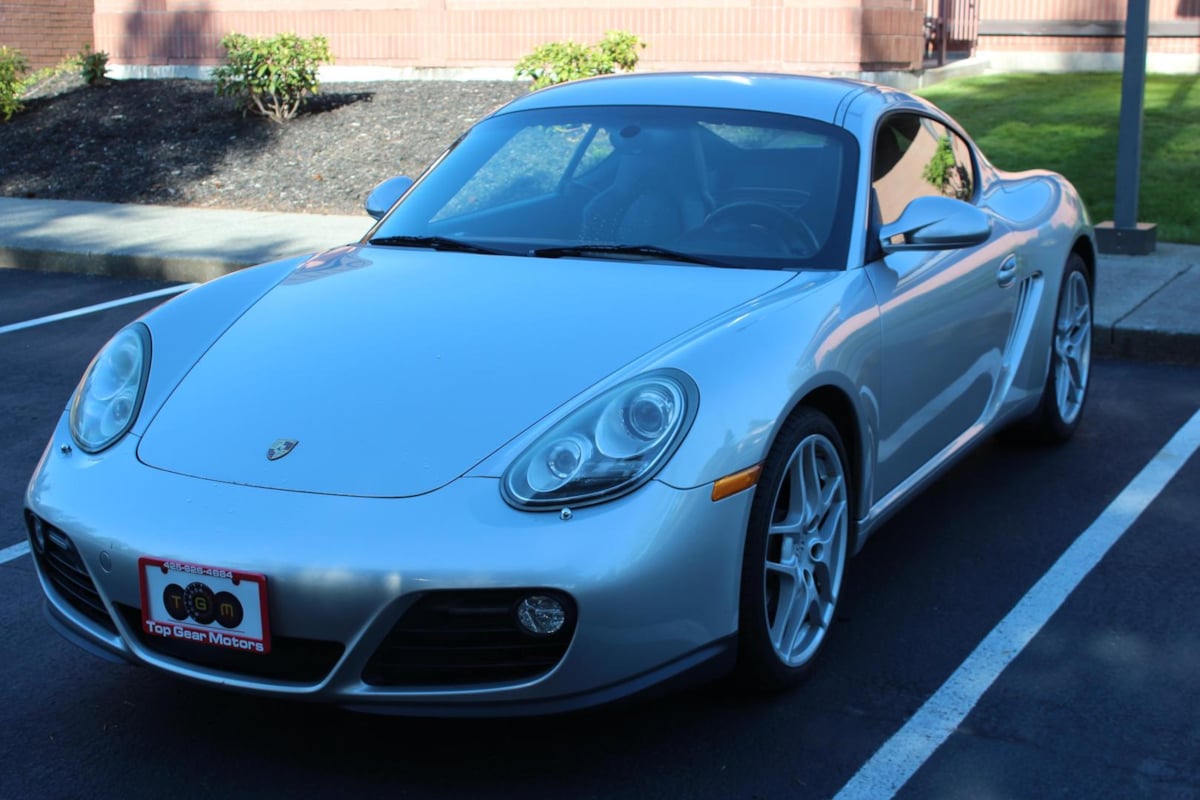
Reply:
x=210, y=606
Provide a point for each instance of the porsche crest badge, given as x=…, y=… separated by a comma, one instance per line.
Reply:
x=280, y=448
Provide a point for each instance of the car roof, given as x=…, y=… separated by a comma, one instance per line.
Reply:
x=819, y=98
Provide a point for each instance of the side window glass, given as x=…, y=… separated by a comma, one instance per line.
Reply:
x=917, y=157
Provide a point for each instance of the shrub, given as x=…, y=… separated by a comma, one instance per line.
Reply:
x=12, y=82
x=558, y=62
x=618, y=50
x=271, y=77
x=92, y=64
x=943, y=171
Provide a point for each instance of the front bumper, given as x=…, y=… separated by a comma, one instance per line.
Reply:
x=653, y=576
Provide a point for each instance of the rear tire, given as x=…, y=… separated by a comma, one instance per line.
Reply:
x=1067, y=382
x=797, y=546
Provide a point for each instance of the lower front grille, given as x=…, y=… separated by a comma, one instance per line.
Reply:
x=454, y=638
x=63, y=567
x=291, y=659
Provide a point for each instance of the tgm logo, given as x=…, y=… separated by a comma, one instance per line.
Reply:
x=200, y=603
x=280, y=448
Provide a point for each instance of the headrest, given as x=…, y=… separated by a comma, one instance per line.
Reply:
x=642, y=140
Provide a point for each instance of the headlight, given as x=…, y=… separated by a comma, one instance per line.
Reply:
x=110, y=394
x=607, y=447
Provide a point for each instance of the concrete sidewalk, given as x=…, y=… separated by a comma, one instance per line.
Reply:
x=1146, y=306
x=165, y=242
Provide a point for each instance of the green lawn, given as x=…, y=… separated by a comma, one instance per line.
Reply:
x=1068, y=123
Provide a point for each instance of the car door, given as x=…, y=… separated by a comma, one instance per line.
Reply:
x=945, y=314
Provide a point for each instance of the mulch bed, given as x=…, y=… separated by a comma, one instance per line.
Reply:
x=174, y=142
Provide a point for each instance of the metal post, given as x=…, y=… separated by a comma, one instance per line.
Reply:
x=943, y=27
x=1125, y=234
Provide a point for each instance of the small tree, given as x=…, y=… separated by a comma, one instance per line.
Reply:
x=93, y=65
x=271, y=77
x=558, y=62
x=12, y=81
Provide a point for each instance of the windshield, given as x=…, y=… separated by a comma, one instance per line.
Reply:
x=716, y=186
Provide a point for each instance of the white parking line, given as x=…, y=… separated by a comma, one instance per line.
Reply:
x=902, y=755
x=17, y=326
x=13, y=552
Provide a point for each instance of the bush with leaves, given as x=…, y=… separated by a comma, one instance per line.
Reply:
x=92, y=65
x=943, y=171
x=558, y=62
x=12, y=81
x=271, y=76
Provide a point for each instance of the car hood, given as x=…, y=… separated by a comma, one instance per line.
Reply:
x=397, y=370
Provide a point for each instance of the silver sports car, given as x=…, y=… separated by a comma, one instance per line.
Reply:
x=606, y=398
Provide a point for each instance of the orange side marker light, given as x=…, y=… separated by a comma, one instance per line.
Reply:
x=732, y=484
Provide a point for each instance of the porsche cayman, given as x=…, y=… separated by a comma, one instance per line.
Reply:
x=605, y=399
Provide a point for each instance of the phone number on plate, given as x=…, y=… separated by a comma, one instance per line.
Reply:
x=192, y=569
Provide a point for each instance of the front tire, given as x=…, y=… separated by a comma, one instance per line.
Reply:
x=1070, y=358
x=797, y=546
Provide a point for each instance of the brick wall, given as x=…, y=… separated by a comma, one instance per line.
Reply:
x=46, y=31
x=814, y=35
x=818, y=35
x=1174, y=25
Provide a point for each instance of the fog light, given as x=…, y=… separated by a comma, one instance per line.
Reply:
x=541, y=615
x=38, y=530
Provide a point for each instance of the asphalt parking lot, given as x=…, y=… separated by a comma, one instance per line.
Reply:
x=1101, y=702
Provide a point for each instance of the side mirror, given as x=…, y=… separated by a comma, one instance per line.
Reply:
x=385, y=195
x=936, y=223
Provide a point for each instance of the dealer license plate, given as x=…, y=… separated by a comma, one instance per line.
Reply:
x=205, y=605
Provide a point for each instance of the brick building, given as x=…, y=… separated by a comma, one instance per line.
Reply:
x=1049, y=35
x=848, y=36
x=46, y=30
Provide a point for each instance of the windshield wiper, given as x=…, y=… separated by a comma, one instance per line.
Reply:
x=649, y=250
x=444, y=243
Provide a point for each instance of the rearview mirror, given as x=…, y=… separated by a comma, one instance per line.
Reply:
x=936, y=223
x=385, y=195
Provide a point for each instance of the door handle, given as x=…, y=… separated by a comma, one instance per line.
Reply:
x=1007, y=274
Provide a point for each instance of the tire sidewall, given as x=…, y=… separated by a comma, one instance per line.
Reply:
x=1053, y=426
x=759, y=666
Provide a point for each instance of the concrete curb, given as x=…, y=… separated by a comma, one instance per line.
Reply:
x=121, y=265
x=1148, y=307
x=1143, y=345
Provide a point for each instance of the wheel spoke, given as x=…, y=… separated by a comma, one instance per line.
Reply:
x=785, y=616
x=789, y=526
x=823, y=579
x=1073, y=374
x=834, y=525
x=806, y=621
x=832, y=510
x=1081, y=316
x=780, y=569
x=794, y=516
x=810, y=614
x=812, y=483
x=1082, y=338
x=1066, y=387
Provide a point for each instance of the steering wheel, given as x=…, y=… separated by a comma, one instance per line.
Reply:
x=789, y=234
